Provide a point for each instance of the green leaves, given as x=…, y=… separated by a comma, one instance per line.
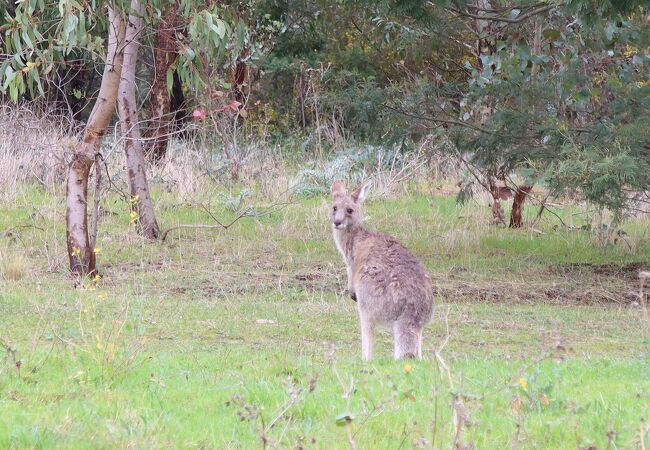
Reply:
x=69, y=25
x=551, y=34
x=217, y=25
x=524, y=52
x=170, y=77
x=207, y=27
x=189, y=54
x=10, y=76
x=42, y=36
x=344, y=419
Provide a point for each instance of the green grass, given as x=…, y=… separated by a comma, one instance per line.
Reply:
x=242, y=338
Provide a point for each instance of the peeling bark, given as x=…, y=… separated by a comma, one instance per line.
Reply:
x=165, y=55
x=498, y=217
x=133, y=145
x=240, y=86
x=517, y=205
x=80, y=253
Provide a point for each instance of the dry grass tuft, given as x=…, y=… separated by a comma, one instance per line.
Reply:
x=35, y=145
x=459, y=240
x=13, y=267
x=199, y=166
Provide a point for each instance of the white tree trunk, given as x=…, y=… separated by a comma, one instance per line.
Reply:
x=133, y=145
x=82, y=257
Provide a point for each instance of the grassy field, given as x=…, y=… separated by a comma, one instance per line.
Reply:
x=244, y=338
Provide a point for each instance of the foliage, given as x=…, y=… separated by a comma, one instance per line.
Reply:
x=579, y=121
x=560, y=99
x=43, y=35
x=553, y=94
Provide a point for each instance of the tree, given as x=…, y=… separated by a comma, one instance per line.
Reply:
x=509, y=81
x=82, y=256
x=564, y=117
x=42, y=34
x=133, y=144
x=556, y=95
x=165, y=54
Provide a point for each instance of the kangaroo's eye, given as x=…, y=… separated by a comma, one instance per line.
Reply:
x=350, y=210
x=334, y=209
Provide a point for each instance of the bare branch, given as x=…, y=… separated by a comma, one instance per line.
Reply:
x=9, y=231
x=518, y=19
x=246, y=212
x=438, y=120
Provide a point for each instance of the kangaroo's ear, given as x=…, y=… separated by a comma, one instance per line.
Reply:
x=338, y=188
x=360, y=194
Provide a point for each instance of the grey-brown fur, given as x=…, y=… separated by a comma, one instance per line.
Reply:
x=390, y=285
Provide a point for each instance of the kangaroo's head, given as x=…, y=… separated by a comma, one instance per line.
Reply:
x=346, y=208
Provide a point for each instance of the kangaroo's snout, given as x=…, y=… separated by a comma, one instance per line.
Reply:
x=345, y=208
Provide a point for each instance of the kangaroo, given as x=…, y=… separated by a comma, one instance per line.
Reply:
x=389, y=284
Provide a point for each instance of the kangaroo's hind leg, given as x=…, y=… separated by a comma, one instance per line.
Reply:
x=366, y=336
x=420, y=332
x=407, y=340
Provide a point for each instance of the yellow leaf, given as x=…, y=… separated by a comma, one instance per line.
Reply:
x=408, y=368
x=523, y=383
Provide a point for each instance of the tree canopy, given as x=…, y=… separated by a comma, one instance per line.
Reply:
x=554, y=92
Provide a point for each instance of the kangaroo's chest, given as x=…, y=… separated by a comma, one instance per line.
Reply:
x=343, y=245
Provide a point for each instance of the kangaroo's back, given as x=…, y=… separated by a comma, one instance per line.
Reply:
x=391, y=284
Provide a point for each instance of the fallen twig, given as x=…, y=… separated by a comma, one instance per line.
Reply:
x=246, y=212
x=9, y=231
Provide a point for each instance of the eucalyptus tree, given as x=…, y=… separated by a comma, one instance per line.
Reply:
x=143, y=210
x=40, y=35
x=571, y=102
x=550, y=93
x=553, y=92
x=165, y=53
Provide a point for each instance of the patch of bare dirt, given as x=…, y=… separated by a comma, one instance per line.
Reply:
x=577, y=289
x=628, y=271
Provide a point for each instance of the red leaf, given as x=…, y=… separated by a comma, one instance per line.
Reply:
x=232, y=106
x=199, y=114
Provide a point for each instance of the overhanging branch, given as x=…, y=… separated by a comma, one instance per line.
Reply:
x=518, y=19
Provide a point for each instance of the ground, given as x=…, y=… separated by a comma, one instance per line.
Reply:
x=244, y=337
